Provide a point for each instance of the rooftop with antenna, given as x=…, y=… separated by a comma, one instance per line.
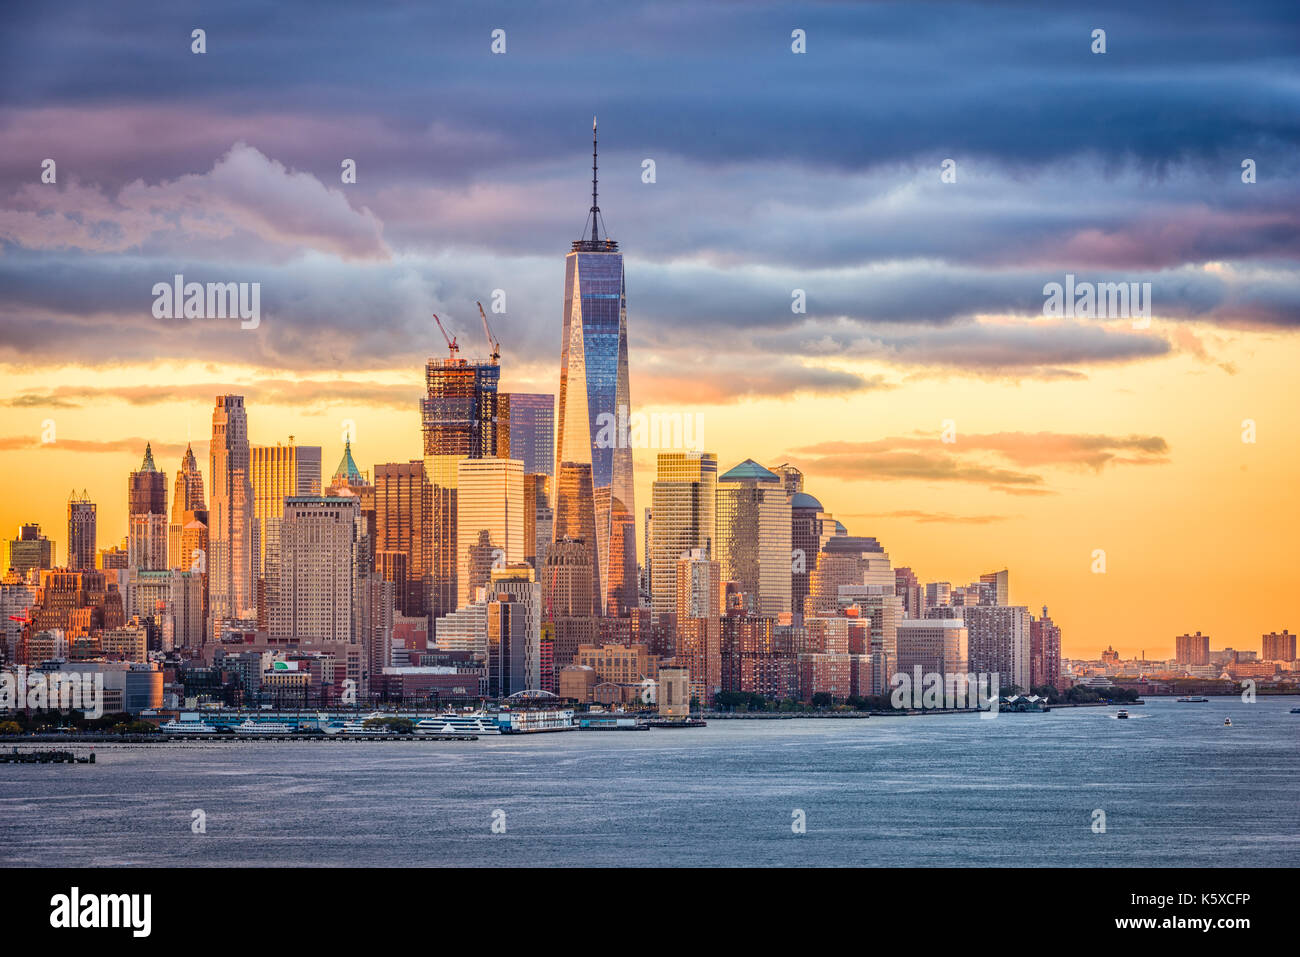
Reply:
x=595, y=244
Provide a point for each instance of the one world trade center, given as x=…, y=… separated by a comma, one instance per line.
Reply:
x=593, y=500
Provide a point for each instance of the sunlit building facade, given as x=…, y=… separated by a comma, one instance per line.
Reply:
x=82, y=525
x=753, y=523
x=490, y=521
x=684, y=496
x=147, y=515
x=594, y=410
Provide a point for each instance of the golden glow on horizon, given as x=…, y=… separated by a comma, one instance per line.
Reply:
x=1203, y=542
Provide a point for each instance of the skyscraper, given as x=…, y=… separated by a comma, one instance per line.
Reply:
x=594, y=409
x=753, y=517
x=698, y=607
x=188, y=505
x=315, y=572
x=684, y=497
x=490, y=521
x=30, y=549
x=531, y=419
x=231, y=591
x=1044, y=651
x=461, y=418
x=998, y=585
x=277, y=472
x=147, y=516
x=81, y=533
x=402, y=537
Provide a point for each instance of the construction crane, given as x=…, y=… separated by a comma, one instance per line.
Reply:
x=452, y=348
x=492, y=340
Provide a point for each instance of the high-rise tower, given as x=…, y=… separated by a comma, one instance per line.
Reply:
x=81, y=533
x=592, y=448
x=147, y=516
x=230, y=531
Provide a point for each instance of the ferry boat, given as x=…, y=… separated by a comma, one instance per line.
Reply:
x=1190, y=700
x=452, y=722
x=186, y=727
x=532, y=720
x=358, y=726
x=1122, y=714
x=262, y=727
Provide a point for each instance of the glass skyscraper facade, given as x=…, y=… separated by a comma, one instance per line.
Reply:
x=594, y=411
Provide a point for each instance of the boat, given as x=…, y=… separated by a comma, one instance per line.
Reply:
x=1295, y=710
x=533, y=720
x=186, y=727
x=354, y=728
x=262, y=727
x=1227, y=722
x=1190, y=700
x=452, y=722
x=1122, y=714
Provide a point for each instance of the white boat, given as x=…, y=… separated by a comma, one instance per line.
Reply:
x=533, y=720
x=262, y=727
x=358, y=726
x=1227, y=722
x=451, y=722
x=186, y=727
x=1122, y=714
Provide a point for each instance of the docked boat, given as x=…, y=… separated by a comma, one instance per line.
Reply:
x=186, y=727
x=355, y=728
x=452, y=722
x=533, y=720
x=262, y=727
x=1122, y=714
x=1191, y=700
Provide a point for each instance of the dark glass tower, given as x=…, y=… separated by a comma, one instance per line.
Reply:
x=594, y=412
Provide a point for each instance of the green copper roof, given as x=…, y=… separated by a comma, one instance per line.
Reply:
x=347, y=469
x=148, y=465
x=748, y=470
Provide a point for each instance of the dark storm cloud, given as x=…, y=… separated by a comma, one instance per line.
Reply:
x=775, y=172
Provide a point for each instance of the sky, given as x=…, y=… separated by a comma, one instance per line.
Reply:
x=1169, y=445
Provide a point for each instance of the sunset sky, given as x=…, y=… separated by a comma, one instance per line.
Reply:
x=774, y=172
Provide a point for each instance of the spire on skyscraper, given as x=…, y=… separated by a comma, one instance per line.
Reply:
x=595, y=243
x=147, y=465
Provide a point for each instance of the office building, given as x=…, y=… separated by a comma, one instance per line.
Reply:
x=81, y=532
x=684, y=503
x=147, y=516
x=490, y=521
x=593, y=451
x=753, y=544
x=29, y=549
x=231, y=585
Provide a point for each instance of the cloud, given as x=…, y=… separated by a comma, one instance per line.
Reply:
x=301, y=394
x=244, y=196
x=980, y=458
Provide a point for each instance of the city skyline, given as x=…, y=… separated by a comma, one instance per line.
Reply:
x=923, y=297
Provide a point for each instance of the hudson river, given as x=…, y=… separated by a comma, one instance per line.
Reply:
x=1176, y=786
